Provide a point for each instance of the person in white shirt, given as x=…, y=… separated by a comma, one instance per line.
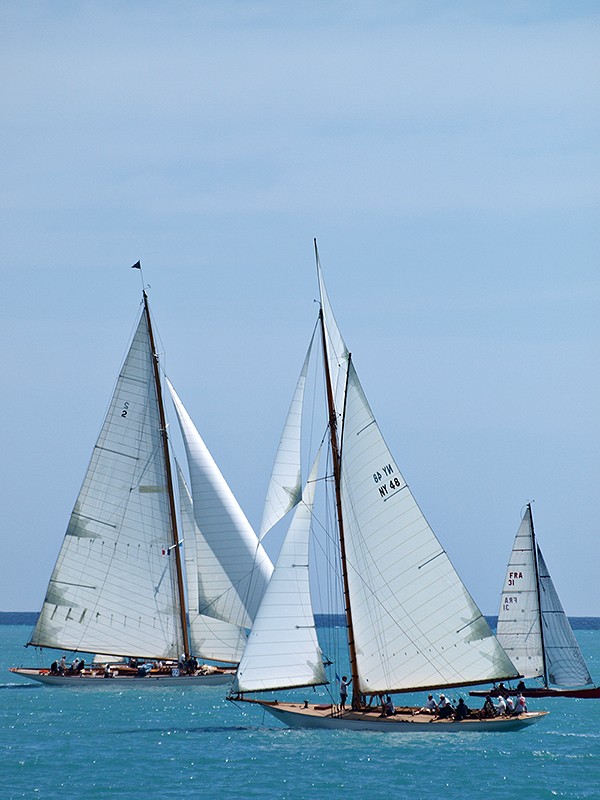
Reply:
x=501, y=706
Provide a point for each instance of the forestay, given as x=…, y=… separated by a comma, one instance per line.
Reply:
x=127, y=602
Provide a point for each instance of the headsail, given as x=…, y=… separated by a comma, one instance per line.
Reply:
x=207, y=584
x=282, y=649
x=225, y=529
x=112, y=589
x=415, y=624
x=564, y=660
x=285, y=486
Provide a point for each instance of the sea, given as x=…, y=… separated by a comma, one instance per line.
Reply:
x=173, y=743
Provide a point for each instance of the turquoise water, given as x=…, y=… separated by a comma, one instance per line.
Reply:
x=173, y=744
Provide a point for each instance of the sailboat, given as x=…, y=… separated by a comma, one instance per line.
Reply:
x=140, y=577
x=533, y=627
x=411, y=624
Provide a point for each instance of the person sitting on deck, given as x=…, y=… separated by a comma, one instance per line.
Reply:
x=489, y=709
x=54, y=668
x=107, y=671
x=445, y=709
x=430, y=706
x=521, y=706
x=462, y=711
x=501, y=707
x=510, y=705
x=387, y=707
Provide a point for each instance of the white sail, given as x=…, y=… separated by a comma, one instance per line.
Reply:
x=337, y=352
x=518, y=629
x=225, y=529
x=207, y=583
x=415, y=624
x=112, y=589
x=282, y=649
x=285, y=486
x=565, y=664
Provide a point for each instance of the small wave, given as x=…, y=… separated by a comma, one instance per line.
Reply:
x=199, y=729
x=19, y=685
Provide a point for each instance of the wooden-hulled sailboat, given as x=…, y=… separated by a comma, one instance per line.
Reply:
x=120, y=586
x=534, y=629
x=411, y=623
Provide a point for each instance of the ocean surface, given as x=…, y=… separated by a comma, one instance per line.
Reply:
x=169, y=743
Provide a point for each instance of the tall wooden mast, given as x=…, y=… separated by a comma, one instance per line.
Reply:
x=169, y=477
x=336, y=460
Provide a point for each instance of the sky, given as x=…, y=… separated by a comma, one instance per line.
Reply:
x=444, y=154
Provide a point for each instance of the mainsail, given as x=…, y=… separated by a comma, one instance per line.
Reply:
x=112, y=589
x=532, y=625
x=415, y=624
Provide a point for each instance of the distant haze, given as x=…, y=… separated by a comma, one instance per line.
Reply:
x=445, y=155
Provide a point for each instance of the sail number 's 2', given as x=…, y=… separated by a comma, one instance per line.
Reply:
x=125, y=408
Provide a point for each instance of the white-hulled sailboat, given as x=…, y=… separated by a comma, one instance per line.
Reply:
x=533, y=627
x=411, y=623
x=120, y=586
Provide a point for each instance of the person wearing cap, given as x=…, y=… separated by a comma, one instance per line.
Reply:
x=445, y=709
x=501, y=707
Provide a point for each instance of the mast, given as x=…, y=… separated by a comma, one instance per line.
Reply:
x=336, y=459
x=538, y=594
x=169, y=476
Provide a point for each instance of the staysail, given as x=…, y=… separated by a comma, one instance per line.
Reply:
x=285, y=486
x=207, y=582
x=112, y=589
x=282, y=649
x=225, y=530
x=415, y=624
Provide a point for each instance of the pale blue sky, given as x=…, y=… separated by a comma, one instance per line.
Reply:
x=446, y=157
